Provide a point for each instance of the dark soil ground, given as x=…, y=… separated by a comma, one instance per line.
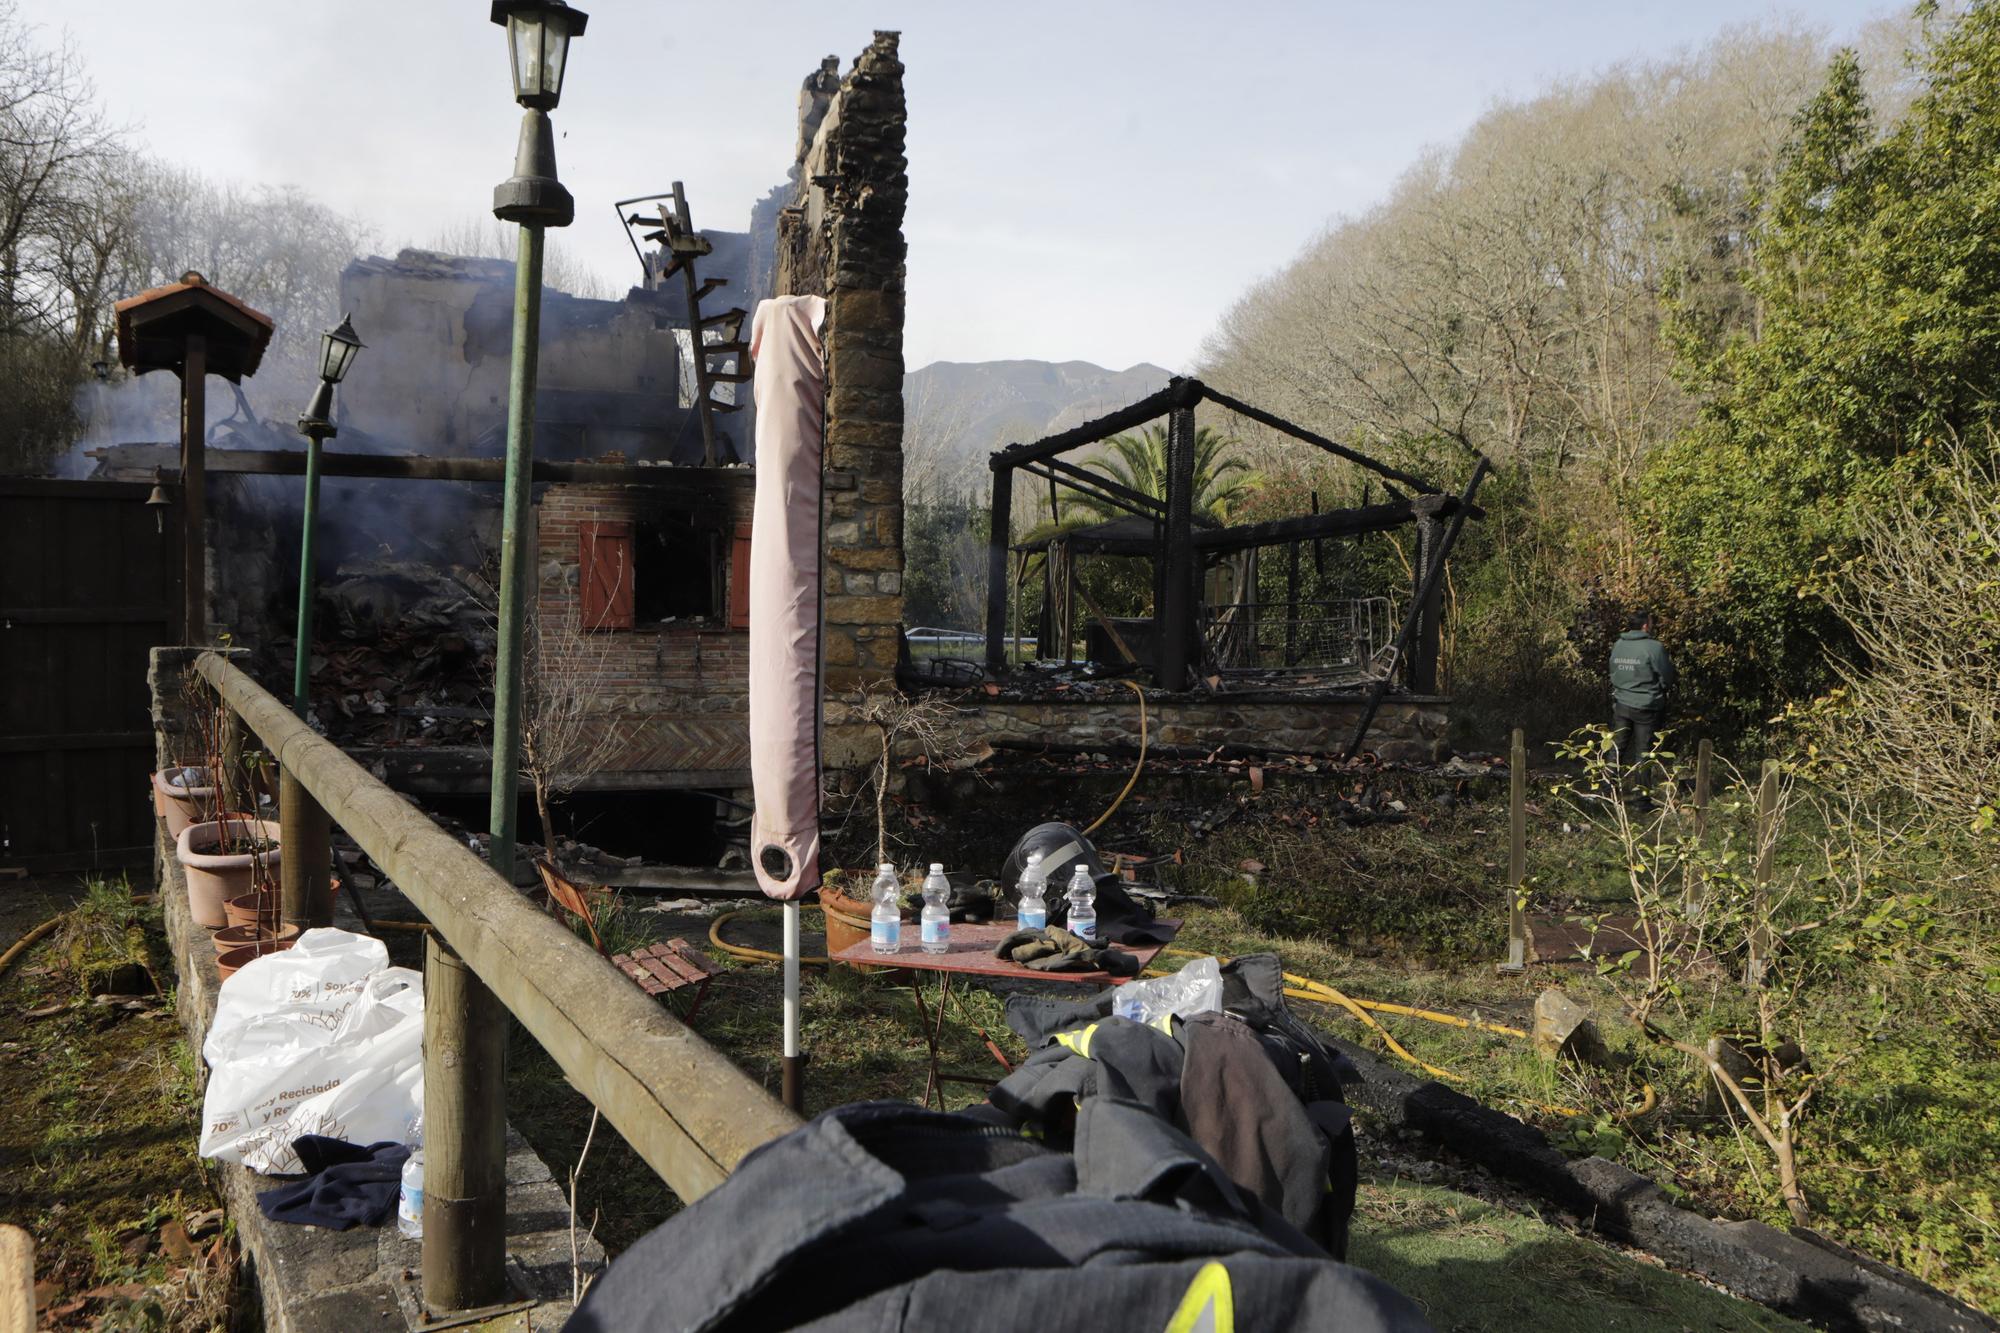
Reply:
x=101, y=1114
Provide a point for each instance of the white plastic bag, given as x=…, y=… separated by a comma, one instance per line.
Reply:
x=321, y=1038
x=1195, y=989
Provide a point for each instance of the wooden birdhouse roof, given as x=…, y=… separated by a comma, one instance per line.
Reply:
x=154, y=326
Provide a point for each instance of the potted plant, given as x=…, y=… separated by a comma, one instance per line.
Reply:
x=225, y=858
x=901, y=722
x=183, y=795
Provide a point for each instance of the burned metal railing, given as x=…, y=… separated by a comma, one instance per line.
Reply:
x=683, y=1106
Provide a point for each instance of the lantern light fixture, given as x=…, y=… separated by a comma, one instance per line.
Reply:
x=337, y=347
x=538, y=33
x=538, y=37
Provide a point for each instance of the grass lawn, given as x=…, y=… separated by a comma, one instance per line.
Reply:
x=1473, y=1263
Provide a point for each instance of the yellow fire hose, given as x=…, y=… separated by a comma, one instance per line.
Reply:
x=1297, y=988
x=1137, y=768
x=748, y=954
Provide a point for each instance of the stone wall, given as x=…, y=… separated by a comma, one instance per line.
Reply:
x=1406, y=729
x=840, y=234
x=676, y=693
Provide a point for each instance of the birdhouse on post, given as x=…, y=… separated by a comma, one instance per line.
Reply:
x=194, y=330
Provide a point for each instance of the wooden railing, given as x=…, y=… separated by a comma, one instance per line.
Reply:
x=682, y=1105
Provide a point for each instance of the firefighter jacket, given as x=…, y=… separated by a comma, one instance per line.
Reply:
x=883, y=1217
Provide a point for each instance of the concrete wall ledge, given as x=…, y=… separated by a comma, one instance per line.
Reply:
x=1798, y=1273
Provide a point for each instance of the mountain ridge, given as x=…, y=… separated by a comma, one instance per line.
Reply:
x=958, y=412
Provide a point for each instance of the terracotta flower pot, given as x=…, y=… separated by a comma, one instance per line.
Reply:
x=237, y=937
x=254, y=910
x=848, y=923
x=180, y=795
x=212, y=878
x=265, y=907
x=227, y=964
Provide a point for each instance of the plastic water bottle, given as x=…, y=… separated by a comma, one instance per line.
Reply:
x=885, y=922
x=936, y=920
x=1033, y=913
x=1083, y=905
x=410, y=1203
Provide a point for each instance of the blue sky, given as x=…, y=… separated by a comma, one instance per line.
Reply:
x=1094, y=181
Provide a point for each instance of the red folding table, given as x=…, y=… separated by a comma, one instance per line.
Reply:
x=970, y=954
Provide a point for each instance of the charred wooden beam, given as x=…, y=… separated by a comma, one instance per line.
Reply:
x=1106, y=497
x=1333, y=523
x=1181, y=393
x=422, y=467
x=996, y=569
x=1075, y=475
x=1178, y=602
x=1297, y=432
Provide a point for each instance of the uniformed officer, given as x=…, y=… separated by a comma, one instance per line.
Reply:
x=1642, y=676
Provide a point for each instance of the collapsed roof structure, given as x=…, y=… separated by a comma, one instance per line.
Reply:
x=1230, y=642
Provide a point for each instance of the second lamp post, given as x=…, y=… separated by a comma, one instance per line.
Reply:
x=337, y=347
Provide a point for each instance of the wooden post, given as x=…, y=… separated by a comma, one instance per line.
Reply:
x=1767, y=846
x=465, y=1135
x=1423, y=669
x=17, y=1280
x=305, y=833
x=996, y=568
x=1176, y=612
x=1250, y=607
x=1068, y=603
x=194, y=515
x=1292, y=604
x=1020, y=577
x=1517, y=854
x=1704, y=778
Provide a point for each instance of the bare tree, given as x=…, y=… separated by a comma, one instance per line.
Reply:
x=52, y=137
x=905, y=724
x=566, y=732
x=490, y=238
x=1919, y=711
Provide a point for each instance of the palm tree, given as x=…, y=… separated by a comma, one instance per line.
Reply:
x=1139, y=462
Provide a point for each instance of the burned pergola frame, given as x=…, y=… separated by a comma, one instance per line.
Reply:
x=1176, y=544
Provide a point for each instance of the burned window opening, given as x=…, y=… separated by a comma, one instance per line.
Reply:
x=677, y=568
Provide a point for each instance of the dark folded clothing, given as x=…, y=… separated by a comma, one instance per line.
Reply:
x=1053, y=949
x=347, y=1185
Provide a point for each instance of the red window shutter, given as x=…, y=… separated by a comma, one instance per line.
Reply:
x=605, y=579
x=739, y=578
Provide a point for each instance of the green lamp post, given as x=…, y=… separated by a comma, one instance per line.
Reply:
x=465, y=1025
x=538, y=35
x=337, y=347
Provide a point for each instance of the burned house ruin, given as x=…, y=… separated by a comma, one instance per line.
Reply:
x=642, y=491
x=642, y=485
x=1308, y=675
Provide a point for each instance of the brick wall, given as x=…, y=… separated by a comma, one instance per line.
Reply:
x=677, y=693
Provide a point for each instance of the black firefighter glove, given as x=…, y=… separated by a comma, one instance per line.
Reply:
x=1053, y=949
x=972, y=904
